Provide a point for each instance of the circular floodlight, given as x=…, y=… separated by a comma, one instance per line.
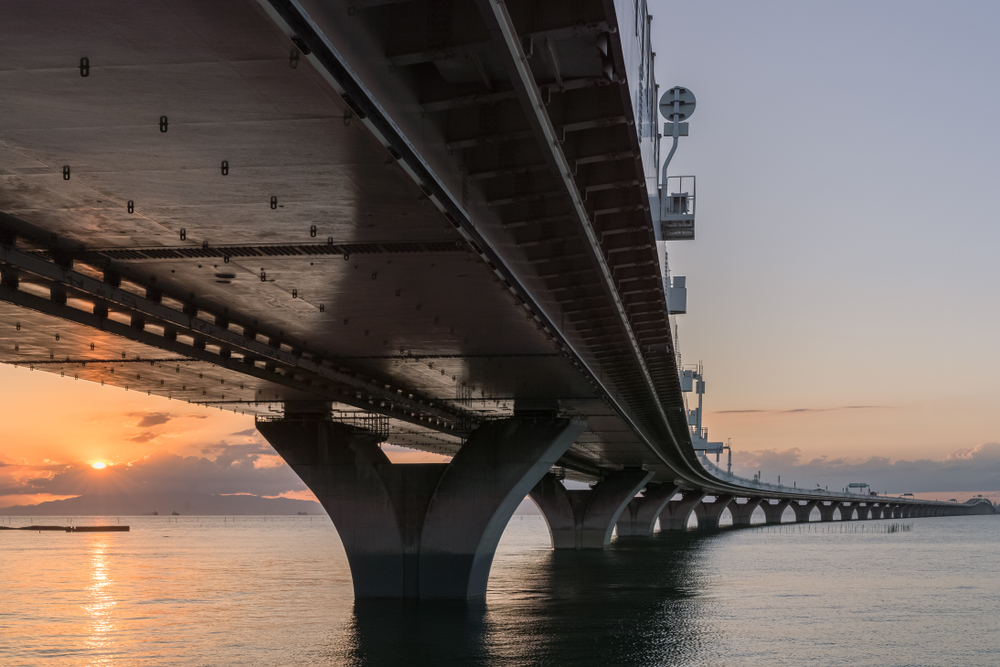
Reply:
x=677, y=104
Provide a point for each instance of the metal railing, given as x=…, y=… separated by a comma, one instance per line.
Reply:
x=374, y=423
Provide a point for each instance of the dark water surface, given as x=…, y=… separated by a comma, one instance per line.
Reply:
x=210, y=591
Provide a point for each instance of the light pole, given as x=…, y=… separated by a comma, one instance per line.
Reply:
x=676, y=105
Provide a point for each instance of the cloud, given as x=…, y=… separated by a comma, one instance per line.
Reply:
x=248, y=432
x=147, y=419
x=246, y=454
x=145, y=436
x=976, y=469
x=241, y=468
x=8, y=461
x=797, y=410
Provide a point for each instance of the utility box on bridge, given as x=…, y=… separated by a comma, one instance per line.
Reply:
x=677, y=294
x=677, y=206
x=687, y=380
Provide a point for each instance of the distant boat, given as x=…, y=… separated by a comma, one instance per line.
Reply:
x=175, y=514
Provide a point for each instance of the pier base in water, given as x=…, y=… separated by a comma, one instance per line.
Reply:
x=585, y=518
x=421, y=530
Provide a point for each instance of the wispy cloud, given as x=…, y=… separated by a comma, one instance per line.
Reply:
x=800, y=410
x=147, y=419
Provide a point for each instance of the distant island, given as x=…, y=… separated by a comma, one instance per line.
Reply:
x=164, y=504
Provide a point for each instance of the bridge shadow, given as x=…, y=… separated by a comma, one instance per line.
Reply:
x=636, y=603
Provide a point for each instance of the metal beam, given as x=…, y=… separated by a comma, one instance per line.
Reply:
x=492, y=98
x=203, y=250
x=62, y=311
x=498, y=21
x=467, y=50
x=187, y=324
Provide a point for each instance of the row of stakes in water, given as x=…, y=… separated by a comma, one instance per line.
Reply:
x=838, y=527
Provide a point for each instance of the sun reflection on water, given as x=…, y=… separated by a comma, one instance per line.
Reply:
x=101, y=608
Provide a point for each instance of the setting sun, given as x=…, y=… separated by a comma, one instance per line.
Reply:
x=99, y=465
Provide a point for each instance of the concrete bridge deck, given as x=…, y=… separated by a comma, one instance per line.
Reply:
x=425, y=221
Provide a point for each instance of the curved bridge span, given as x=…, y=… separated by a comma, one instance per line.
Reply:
x=421, y=222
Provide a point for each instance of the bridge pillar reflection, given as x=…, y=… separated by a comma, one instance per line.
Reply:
x=639, y=517
x=742, y=512
x=676, y=514
x=586, y=518
x=423, y=530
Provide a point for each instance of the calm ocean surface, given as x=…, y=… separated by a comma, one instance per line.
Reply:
x=210, y=591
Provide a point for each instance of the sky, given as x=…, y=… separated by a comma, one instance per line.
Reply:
x=841, y=290
x=842, y=287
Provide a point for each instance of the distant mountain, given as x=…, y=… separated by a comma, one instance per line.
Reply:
x=135, y=504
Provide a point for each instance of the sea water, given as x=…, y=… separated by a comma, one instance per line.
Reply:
x=277, y=591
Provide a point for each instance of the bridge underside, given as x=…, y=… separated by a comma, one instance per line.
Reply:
x=252, y=239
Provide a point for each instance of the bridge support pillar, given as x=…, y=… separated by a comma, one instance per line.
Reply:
x=863, y=512
x=742, y=513
x=424, y=530
x=847, y=511
x=709, y=519
x=677, y=512
x=802, y=512
x=772, y=513
x=639, y=517
x=585, y=519
x=826, y=511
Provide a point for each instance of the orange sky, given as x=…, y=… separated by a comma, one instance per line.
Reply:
x=54, y=424
x=58, y=427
